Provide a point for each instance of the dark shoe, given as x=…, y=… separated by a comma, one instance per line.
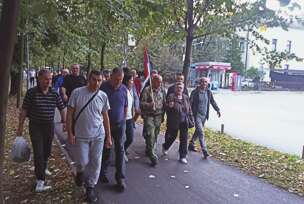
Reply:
x=153, y=162
x=79, y=179
x=91, y=196
x=103, y=179
x=121, y=185
x=192, y=148
x=205, y=154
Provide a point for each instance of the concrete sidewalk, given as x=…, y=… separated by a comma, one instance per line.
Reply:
x=200, y=181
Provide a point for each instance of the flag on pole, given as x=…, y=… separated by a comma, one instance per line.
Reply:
x=147, y=67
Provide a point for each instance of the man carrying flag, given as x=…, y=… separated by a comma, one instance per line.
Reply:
x=152, y=104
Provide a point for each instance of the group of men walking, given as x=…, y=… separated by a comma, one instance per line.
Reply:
x=103, y=111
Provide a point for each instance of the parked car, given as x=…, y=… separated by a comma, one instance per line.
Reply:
x=247, y=83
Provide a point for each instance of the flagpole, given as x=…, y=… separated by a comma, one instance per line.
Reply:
x=152, y=95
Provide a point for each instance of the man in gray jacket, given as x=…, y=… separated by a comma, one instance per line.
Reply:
x=200, y=100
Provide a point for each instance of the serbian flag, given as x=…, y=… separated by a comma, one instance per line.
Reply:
x=147, y=67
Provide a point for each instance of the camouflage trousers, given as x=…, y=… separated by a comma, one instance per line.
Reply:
x=152, y=128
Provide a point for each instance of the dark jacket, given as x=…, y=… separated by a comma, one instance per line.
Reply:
x=194, y=99
x=174, y=113
x=171, y=90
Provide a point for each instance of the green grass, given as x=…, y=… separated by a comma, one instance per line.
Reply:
x=280, y=169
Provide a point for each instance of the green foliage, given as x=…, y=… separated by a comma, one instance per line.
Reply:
x=252, y=73
x=275, y=58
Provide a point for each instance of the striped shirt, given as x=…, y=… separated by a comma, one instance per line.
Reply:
x=41, y=107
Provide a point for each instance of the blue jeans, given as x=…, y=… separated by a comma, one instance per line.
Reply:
x=87, y=155
x=199, y=133
x=118, y=130
x=129, y=133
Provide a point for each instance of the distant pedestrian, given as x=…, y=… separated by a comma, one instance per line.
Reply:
x=90, y=107
x=39, y=105
x=106, y=74
x=32, y=75
x=118, y=98
x=152, y=103
x=179, y=77
x=200, y=99
x=60, y=79
x=179, y=118
x=72, y=81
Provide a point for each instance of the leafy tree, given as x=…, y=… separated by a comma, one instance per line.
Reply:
x=252, y=73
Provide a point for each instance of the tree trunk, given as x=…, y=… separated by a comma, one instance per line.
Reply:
x=189, y=40
x=102, y=53
x=7, y=40
x=20, y=68
x=187, y=59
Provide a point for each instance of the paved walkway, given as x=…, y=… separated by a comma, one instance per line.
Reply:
x=200, y=181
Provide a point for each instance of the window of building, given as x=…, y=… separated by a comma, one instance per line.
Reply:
x=274, y=44
x=288, y=46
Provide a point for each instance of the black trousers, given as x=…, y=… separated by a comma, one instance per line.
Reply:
x=42, y=135
x=183, y=139
x=118, y=136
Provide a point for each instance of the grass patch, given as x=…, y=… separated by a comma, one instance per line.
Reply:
x=281, y=169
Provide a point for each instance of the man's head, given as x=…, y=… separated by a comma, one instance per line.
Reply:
x=45, y=79
x=153, y=73
x=106, y=74
x=75, y=69
x=65, y=72
x=203, y=83
x=179, y=88
x=134, y=73
x=95, y=80
x=179, y=77
x=156, y=81
x=117, y=77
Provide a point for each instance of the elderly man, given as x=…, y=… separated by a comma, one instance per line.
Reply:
x=152, y=104
x=89, y=106
x=39, y=105
x=200, y=99
x=72, y=81
x=118, y=98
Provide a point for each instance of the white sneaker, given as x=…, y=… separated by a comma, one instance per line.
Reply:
x=47, y=172
x=183, y=161
x=165, y=152
x=40, y=187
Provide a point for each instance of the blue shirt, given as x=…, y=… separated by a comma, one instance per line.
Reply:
x=118, y=100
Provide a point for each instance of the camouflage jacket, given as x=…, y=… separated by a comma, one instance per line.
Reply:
x=159, y=96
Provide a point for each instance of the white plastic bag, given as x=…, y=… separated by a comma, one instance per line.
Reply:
x=21, y=151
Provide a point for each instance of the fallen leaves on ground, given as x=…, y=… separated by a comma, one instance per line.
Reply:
x=19, y=179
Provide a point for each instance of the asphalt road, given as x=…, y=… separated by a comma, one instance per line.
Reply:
x=271, y=119
x=200, y=181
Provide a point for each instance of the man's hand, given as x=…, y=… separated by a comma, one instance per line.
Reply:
x=64, y=127
x=65, y=98
x=219, y=114
x=108, y=144
x=151, y=104
x=72, y=139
